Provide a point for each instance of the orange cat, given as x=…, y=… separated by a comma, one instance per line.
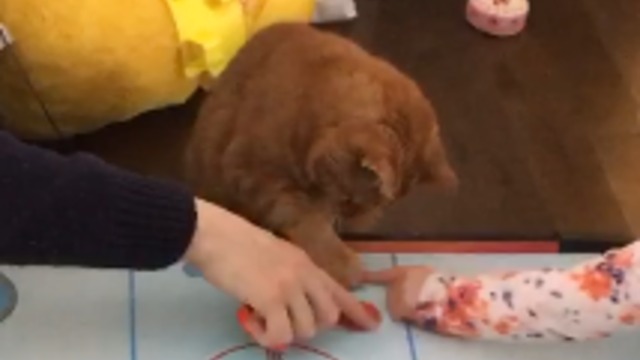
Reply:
x=305, y=130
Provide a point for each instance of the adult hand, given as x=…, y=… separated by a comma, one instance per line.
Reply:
x=279, y=281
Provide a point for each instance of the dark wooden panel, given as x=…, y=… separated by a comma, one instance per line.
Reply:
x=529, y=121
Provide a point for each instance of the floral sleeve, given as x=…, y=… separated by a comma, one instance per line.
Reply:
x=591, y=300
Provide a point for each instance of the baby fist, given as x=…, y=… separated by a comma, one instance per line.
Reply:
x=404, y=284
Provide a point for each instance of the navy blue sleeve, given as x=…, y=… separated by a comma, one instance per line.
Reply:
x=80, y=211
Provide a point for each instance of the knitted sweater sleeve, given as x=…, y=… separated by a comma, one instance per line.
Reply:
x=79, y=211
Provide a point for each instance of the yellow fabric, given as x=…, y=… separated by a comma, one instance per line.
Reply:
x=210, y=33
x=93, y=63
x=278, y=11
x=97, y=62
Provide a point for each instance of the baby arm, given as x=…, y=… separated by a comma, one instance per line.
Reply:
x=591, y=300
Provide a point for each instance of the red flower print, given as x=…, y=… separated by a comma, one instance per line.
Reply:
x=506, y=325
x=594, y=283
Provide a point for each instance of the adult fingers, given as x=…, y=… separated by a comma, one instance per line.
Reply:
x=351, y=307
x=326, y=311
x=302, y=316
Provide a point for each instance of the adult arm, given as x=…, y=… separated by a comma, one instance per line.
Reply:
x=78, y=210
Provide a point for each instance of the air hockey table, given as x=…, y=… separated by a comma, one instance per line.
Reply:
x=72, y=314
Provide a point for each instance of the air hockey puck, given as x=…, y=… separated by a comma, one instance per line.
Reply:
x=246, y=314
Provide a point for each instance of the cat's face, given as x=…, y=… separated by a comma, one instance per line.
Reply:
x=363, y=166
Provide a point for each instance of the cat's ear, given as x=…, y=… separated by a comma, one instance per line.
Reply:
x=382, y=175
x=354, y=163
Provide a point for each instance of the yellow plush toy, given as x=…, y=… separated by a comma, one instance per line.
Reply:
x=88, y=63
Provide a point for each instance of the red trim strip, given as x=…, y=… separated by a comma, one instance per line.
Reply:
x=463, y=246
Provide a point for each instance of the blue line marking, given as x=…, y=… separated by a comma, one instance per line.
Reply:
x=407, y=328
x=132, y=316
x=411, y=341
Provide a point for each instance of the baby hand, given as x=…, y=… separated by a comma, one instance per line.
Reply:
x=404, y=284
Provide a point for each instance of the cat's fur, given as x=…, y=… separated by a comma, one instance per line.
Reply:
x=305, y=130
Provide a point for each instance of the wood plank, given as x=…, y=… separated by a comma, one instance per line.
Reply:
x=621, y=160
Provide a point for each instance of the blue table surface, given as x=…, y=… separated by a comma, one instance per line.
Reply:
x=111, y=315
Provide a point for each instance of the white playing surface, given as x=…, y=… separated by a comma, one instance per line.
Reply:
x=91, y=315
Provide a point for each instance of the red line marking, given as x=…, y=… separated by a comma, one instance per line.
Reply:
x=457, y=247
x=317, y=352
x=232, y=350
x=271, y=355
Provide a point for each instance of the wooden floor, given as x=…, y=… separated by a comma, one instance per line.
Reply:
x=544, y=129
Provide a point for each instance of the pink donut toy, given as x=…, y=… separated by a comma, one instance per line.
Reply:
x=498, y=17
